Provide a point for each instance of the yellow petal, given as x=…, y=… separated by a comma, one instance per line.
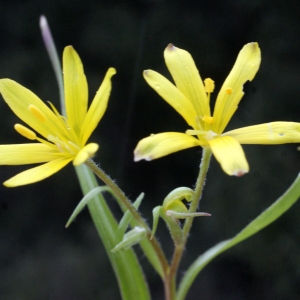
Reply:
x=244, y=69
x=85, y=153
x=22, y=154
x=21, y=101
x=267, y=134
x=98, y=107
x=76, y=89
x=38, y=173
x=172, y=95
x=187, y=78
x=230, y=155
x=161, y=144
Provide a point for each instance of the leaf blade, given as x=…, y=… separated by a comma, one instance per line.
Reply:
x=273, y=212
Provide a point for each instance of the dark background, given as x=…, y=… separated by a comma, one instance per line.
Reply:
x=39, y=258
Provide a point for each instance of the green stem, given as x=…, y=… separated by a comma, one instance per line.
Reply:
x=206, y=155
x=117, y=191
x=127, y=203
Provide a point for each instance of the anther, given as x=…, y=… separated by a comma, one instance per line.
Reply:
x=207, y=119
x=209, y=85
x=24, y=131
x=228, y=91
x=37, y=113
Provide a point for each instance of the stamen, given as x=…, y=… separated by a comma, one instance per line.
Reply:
x=24, y=131
x=209, y=85
x=195, y=132
x=63, y=146
x=229, y=91
x=199, y=120
x=207, y=119
x=55, y=140
x=74, y=146
x=37, y=113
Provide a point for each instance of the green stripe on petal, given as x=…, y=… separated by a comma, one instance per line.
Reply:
x=244, y=69
x=229, y=153
x=172, y=95
x=22, y=154
x=162, y=144
x=76, y=89
x=98, y=107
x=187, y=78
x=38, y=173
x=267, y=134
x=19, y=100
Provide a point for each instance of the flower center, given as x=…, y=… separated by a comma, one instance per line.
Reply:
x=62, y=142
x=207, y=135
x=63, y=146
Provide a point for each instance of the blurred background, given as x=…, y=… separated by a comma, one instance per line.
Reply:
x=39, y=258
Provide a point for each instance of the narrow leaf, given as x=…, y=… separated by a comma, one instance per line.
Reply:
x=264, y=219
x=130, y=277
x=156, y=213
x=127, y=218
x=85, y=200
x=131, y=238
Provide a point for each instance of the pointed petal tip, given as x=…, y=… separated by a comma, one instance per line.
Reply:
x=138, y=156
x=240, y=173
x=171, y=47
x=253, y=45
x=69, y=48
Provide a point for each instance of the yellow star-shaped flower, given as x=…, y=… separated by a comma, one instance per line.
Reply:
x=63, y=139
x=190, y=98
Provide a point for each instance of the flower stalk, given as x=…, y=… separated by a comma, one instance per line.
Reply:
x=126, y=203
x=170, y=283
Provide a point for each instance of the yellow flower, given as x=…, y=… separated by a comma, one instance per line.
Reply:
x=63, y=139
x=190, y=98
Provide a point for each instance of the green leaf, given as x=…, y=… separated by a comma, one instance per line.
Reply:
x=130, y=277
x=85, y=200
x=127, y=218
x=263, y=220
x=131, y=238
x=156, y=214
x=150, y=252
